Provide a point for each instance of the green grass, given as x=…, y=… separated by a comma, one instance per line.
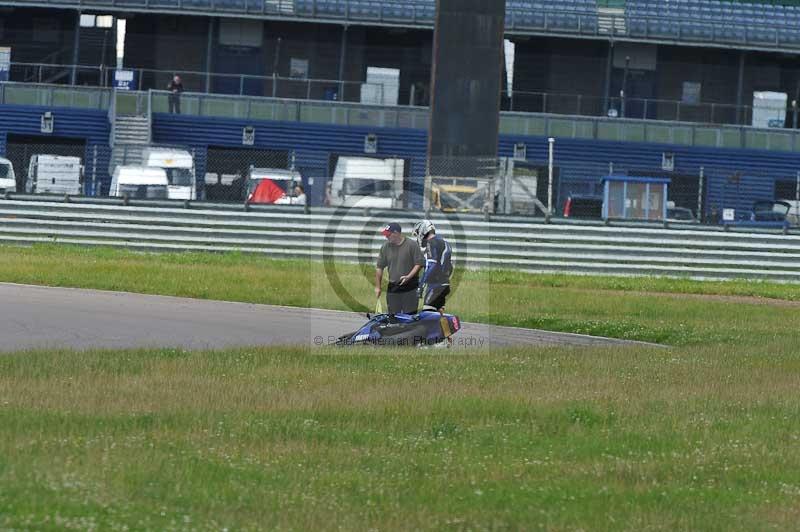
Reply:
x=653, y=310
x=702, y=436
x=284, y=438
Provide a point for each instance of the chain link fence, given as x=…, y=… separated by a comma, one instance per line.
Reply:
x=695, y=194
x=26, y=152
x=491, y=185
x=232, y=174
x=522, y=187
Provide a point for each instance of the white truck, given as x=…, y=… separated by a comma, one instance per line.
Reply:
x=285, y=180
x=139, y=182
x=54, y=174
x=179, y=166
x=8, y=181
x=368, y=182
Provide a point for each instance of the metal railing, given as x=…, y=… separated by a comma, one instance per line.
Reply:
x=632, y=108
x=219, y=83
x=532, y=247
x=254, y=108
x=776, y=35
x=12, y=93
x=357, y=92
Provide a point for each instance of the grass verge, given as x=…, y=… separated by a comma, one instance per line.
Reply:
x=630, y=308
x=699, y=437
x=289, y=439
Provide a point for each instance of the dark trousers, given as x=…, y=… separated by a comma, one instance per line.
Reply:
x=175, y=103
x=435, y=297
x=402, y=302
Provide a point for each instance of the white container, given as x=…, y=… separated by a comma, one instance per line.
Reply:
x=55, y=174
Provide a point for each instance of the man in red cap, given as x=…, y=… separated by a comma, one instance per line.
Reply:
x=404, y=259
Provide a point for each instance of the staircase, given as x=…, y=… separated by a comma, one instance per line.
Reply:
x=611, y=21
x=131, y=134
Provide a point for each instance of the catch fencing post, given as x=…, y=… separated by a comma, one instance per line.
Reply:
x=551, y=141
x=700, y=195
x=797, y=191
x=94, y=171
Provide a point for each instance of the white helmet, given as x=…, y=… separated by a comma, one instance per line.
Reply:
x=421, y=230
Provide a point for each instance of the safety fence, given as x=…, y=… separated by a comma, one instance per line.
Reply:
x=352, y=236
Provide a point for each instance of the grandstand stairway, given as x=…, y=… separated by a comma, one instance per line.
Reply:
x=131, y=135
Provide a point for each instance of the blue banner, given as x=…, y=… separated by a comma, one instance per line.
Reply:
x=125, y=80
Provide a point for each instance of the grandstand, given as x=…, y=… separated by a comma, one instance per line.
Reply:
x=623, y=81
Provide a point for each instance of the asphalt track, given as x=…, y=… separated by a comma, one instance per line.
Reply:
x=34, y=317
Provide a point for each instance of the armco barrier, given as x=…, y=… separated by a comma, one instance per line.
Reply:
x=353, y=236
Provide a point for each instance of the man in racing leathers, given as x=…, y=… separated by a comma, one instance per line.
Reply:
x=438, y=265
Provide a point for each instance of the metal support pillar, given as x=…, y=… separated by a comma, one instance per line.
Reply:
x=209, y=52
x=342, y=60
x=73, y=79
x=740, y=115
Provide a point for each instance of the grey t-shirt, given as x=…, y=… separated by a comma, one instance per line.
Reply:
x=400, y=259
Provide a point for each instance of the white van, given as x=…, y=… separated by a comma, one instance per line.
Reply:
x=139, y=182
x=8, y=181
x=179, y=166
x=54, y=174
x=368, y=182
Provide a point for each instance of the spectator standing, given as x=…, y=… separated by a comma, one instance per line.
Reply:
x=175, y=89
x=403, y=258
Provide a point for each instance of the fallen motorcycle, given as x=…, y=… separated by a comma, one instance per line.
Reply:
x=426, y=328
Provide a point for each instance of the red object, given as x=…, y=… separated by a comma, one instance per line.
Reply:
x=568, y=208
x=266, y=192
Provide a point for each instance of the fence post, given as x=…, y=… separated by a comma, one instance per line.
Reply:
x=94, y=171
x=551, y=141
x=241, y=84
x=797, y=190
x=700, y=214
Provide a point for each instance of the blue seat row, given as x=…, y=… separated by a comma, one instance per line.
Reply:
x=568, y=15
x=715, y=20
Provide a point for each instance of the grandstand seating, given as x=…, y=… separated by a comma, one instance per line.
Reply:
x=714, y=20
x=567, y=15
x=723, y=21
